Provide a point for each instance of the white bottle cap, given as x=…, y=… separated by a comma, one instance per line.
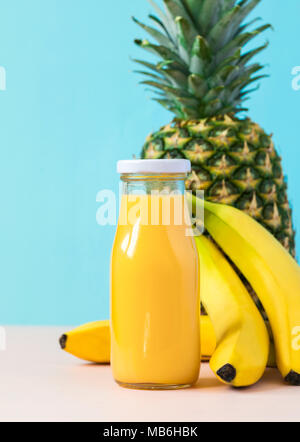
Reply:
x=154, y=166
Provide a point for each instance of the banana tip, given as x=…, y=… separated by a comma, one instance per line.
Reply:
x=227, y=373
x=63, y=341
x=293, y=378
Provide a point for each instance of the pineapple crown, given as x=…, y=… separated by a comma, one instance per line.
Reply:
x=202, y=72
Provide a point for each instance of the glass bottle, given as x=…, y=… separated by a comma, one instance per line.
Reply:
x=155, y=301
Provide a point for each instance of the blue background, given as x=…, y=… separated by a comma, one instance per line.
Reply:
x=72, y=108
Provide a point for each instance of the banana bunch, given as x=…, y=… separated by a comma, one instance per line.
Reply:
x=275, y=277
x=234, y=336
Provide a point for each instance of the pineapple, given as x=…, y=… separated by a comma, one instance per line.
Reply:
x=203, y=76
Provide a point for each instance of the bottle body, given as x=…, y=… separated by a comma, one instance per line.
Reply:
x=154, y=297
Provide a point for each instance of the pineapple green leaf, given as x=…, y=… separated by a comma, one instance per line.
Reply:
x=167, y=89
x=194, y=9
x=238, y=85
x=246, y=9
x=161, y=51
x=242, y=74
x=158, y=11
x=149, y=74
x=160, y=69
x=162, y=17
x=186, y=32
x=233, y=60
x=249, y=70
x=146, y=64
x=227, y=5
x=158, y=36
x=249, y=55
x=164, y=63
x=210, y=14
x=155, y=84
x=249, y=91
x=225, y=75
x=238, y=91
x=184, y=37
x=235, y=26
x=213, y=107
x=254, y=79
x=168, y=104
x=177, y=9
x=158, y=22
x=239, y=41
x=247, y=25
x=176, y=78
x=261, y=29
x=221, y=33
x=187, y=113
x=200, y=56
x=197, y=85
x=213, y=94
x=188, y=102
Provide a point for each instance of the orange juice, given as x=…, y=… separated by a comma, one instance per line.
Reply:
x=154, y=297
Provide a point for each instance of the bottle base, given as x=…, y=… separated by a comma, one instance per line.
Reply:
x=149, y=386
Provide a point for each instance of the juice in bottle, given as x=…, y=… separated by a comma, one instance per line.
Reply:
x=155, y=301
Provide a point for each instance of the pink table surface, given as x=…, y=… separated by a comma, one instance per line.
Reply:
x=39, y=382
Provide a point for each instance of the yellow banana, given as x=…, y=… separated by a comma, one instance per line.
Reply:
x=272, y=272
x=208, y=338
x=242, y=349
x=91, y=342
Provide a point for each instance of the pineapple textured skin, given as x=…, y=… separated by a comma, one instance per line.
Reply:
x=234, y=161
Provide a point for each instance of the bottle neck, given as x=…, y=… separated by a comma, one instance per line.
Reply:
x=137, y=184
